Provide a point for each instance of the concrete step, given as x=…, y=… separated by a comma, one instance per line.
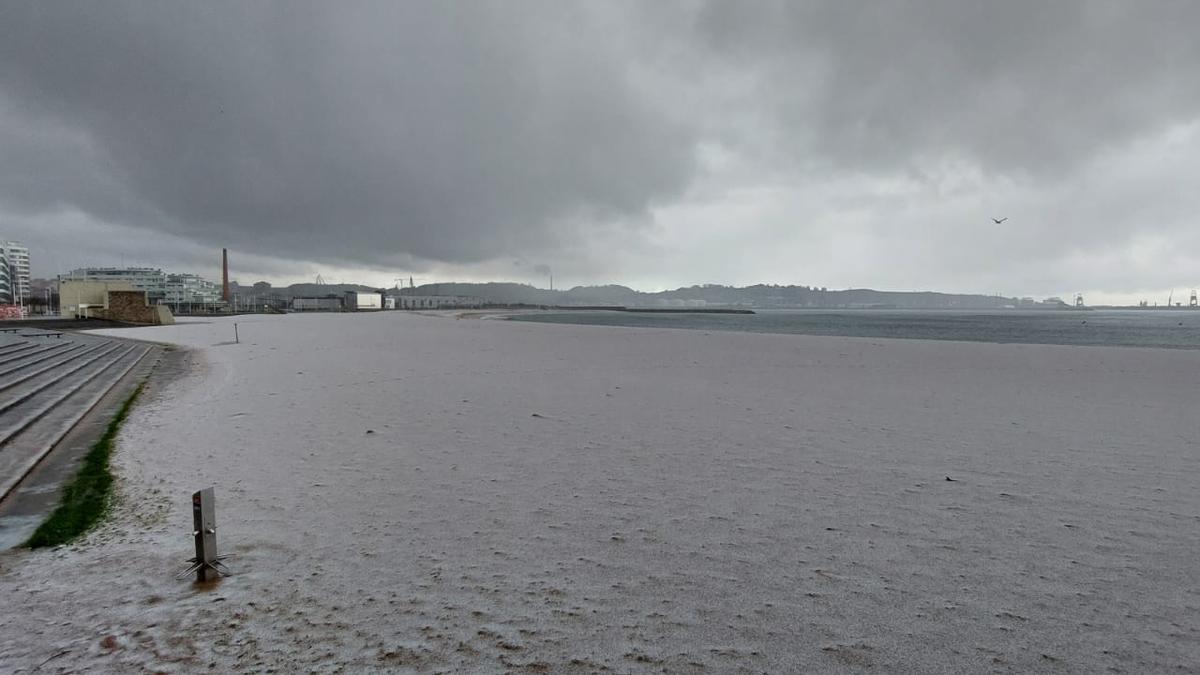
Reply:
x=16, y=415
x=29, y=350
x=56, y=376
x=27, y=442
x=6, y=382
x=13, y=346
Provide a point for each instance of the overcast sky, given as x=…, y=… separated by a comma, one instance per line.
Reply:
x=653, y=144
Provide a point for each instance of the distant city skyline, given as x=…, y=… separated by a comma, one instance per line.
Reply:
x=177, y=287
x=387, y=279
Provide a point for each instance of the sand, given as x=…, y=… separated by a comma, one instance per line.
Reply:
x=419, y=493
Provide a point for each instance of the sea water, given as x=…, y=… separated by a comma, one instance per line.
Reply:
x=1173, y=329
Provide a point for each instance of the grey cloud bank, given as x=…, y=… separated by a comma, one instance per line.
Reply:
x=651, y=143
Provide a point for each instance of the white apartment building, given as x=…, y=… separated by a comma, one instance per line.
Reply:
x=5, y=282
x=161, y=288
x=15, y=287
x=149, y=279
x=190, y=289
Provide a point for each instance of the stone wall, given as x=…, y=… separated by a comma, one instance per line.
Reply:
x=132, y=307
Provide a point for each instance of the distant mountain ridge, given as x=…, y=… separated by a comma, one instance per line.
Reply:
x=708, y=295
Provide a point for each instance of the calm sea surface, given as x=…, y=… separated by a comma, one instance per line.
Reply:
x=1173, y=329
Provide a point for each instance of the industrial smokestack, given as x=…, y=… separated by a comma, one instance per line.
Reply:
x=225, y=275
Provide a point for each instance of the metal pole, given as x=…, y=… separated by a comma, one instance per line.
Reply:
x=204, y=520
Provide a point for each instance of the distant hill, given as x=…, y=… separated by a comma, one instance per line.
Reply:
x=761, y=296
x=709, y=295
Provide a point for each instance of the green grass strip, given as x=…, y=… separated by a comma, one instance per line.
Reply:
x=85, y=499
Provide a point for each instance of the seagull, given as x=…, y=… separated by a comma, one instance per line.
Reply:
x=999, y=220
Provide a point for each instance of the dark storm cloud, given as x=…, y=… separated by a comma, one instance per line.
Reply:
x=348, y=131
x=371, y=133
x=1014, y=86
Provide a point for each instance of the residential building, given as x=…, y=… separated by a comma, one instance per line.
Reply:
x=15, y=286
x=6, y=296
x=190, y=289
x=161, y=288
x=149, y=279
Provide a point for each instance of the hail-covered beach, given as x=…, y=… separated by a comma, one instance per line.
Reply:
x=408, y=492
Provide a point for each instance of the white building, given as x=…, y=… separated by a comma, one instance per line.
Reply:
x=15, y=286
x=6, y=296
x=161, y=288
x=149, y=279
x=190, y=289
x=79, y=298
x=356, y=301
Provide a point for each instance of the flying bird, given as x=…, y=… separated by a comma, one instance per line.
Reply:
x=999, y=220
